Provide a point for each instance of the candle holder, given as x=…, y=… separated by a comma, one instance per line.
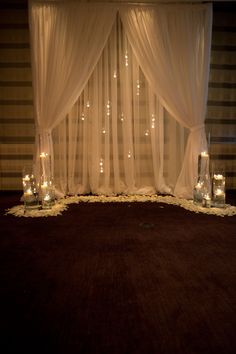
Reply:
x=202, y=187
x=203, y=165
x=206, y=200
x=30, y=196
x=45, y=166
x=218, y=191
x=198, y=192
x=47, y=194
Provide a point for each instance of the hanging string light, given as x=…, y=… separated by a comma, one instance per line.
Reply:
x=126, y=59
x=122, y=117
x=153, y=121
x=138, y=88
x=108, y=108
x=101, y=165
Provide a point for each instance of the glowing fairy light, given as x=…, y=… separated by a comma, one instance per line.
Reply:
x=103, y=131
x=153, y=121
x=114, y=74
x=82, y=116
x=122, y=117
x=129, y=154
x=43, y=155
x=146, y=133
x=101, y=166
x=108, y=108
x=88, y=104
x=126, y=59
x=26, y=178
x=138, y=88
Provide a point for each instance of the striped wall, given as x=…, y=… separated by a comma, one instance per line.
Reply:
x=16, y=104
x=221, y=112
x=16, y=98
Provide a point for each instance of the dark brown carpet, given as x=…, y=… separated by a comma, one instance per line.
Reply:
x=117, y=279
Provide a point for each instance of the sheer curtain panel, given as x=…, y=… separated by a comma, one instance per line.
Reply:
x=67, y=39
x=172, y=45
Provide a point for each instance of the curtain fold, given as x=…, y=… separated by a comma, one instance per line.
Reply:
x=172, y=45
x=67, y=39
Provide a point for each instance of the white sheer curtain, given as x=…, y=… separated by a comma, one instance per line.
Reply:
x=172, y=45
x=112, y=141
x=67, y=39
x=109, y=133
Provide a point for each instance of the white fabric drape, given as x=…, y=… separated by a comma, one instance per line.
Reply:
x=67, y=39
x=172, y=45
x=101, y=145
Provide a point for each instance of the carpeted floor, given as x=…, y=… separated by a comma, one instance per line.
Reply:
x=117, y=279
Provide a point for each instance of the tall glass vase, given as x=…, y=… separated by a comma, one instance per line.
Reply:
x=47, y=190
x=218, y=190
x=47, y=193
x=202, y=186
x=30, y=189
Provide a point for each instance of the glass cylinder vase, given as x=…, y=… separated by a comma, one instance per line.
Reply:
x=47, y=194
x=203, y=165
x=30, y=189
x=198, y=192
x=218, y=190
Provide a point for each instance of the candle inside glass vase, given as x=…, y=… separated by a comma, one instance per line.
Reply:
x=206, y=201
x=218, y=190
x=30, y=196
x=198, y=193
x=203, y=165
x=47, y=194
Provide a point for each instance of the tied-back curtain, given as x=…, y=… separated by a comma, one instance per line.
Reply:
x=172, y=45
x=67, y=39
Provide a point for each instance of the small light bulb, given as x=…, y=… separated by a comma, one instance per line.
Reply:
x=153, y=121
x=126, y=59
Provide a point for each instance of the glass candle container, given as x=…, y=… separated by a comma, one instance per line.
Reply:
x=206, y=201
x=203, y=165
x=30, y=196
x=218, y=191
x=47, y=194
x=198, y=192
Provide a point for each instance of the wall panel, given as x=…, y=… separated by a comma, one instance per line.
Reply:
x=17, y=127
x=221, y=112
